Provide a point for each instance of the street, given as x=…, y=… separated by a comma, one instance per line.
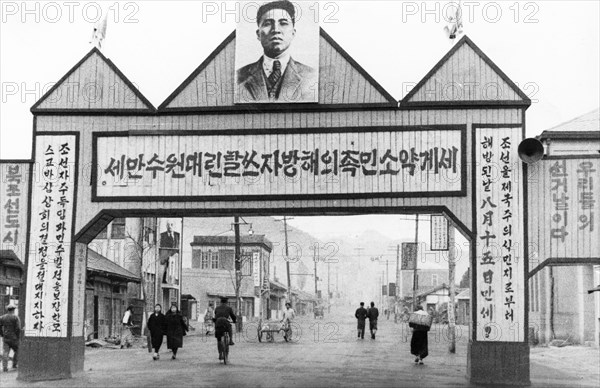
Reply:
x=325, y=353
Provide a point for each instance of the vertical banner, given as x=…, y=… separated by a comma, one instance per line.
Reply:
x=409, y=256
x=169, y=248
x=52, y=214
x=499, y=219
x=13, y=207
x=439, y=233
x=256, y=268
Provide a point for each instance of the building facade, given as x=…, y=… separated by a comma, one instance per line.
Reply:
x=212, y=272
x=560, y=308
x=11, y=278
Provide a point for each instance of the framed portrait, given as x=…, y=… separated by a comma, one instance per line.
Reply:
x=277, y=53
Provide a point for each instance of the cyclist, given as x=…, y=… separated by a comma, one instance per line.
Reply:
x=221, y=318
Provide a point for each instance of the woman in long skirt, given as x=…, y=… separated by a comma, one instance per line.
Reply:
x=418, y=342
x=176, y=329
x=157, y=327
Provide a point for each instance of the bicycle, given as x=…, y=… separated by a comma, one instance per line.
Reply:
x=224, y=347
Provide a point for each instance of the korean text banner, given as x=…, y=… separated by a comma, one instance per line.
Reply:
x=230, y=165
x=499, y=249
x=51, y=233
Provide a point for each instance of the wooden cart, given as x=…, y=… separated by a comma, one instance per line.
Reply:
x=269, y=328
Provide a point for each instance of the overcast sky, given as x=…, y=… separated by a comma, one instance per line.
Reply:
x=549, y=48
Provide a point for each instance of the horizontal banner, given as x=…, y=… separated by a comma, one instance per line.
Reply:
x=390, y=162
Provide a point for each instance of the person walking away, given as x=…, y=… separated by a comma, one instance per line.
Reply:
x=222, y=314
x=288, y=316
x=126, y=336
x=10, y=331
x=361, y=316
x=373, y=314
x=175, y=329
x=157, y=327
x=209, y=314
x=418, y=342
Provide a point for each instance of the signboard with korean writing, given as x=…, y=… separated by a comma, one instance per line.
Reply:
x=13, y=207
x=51, y=235
x=360, y=162
x=409, y=255
x=256, y=267
x=564, y=210
x=439, y=233
x=499, y=232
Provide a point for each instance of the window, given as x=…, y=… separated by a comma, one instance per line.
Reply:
x=208, y=259
x=247, y=264
x=196, y=258
x=434, y=279
x=118, y=228
x=214, y=260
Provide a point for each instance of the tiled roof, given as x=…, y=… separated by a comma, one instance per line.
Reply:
x=277, y=285
x=465, y=294
x=255, y=239
x=302, y=295
x=589, y=122
x=9, y=258
x=433, y=290
x=100, y=264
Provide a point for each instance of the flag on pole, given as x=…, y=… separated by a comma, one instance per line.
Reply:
x=99, y=31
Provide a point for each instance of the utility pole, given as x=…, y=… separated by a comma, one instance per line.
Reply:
x=328, y=287
x=287, y=260
x=316, y=259
x=451, y=274
x=416, y=260
x=397, y=284
x=238, y=268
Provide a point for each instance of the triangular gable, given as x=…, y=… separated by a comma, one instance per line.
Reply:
x=94, y=84
x=342, y=81
x=465, y=76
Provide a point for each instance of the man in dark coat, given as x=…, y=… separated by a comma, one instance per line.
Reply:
x=10, y=331
x=222, y=325
x=361, y=316
x=276, y=76
x=418, y=342
x=176, y=329
x=373, y=314
x=157, y=325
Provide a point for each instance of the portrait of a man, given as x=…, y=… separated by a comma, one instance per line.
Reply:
x=169, y=246
x=276, y=75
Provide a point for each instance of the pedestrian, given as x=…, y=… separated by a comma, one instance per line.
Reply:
x=373, y=314
x=10, y=331
x=157, y=326
x=176, y=329
x=418, y=342
x=209, y=314
x=361, y=316
x=126, y=336
x=288, y=316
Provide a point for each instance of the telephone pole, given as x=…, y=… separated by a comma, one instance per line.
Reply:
x=451, y=274
x=287, y=260
x=238, y=268
x=416, y=260
x=316, y=259
x=328, y=288
x=398, y=275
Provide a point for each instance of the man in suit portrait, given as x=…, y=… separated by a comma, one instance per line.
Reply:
x=169, y=246
x=276, y=76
